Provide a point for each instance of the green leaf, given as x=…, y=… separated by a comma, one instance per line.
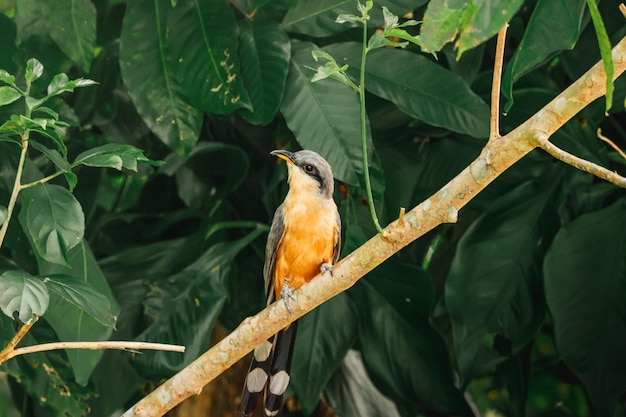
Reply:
x=501, y=294
x=113, y=155
x=482, y=20
x=183, y=307
x=538, y=44
x=264, y=51
x=585, y=279
x=419, y=87
x=60, y=83
x=54, y=221
x=8, y=95
x=323, y=116
x=23, y=293
x=605, y=50
x=34, y=70
x=7, y=78
x=82, y=295
x=319, y=18
x=72, y=287
x=72, y=25
x=203, y=55
x=321, y=345
x=405, y=357
x=156, y=94
x=59, y=161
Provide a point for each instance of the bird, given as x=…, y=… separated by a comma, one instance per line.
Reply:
x=304, y=240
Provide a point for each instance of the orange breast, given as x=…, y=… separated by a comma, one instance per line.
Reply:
x=308, y=242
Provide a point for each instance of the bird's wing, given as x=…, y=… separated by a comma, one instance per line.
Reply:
x=271, y=249
x=337, y=247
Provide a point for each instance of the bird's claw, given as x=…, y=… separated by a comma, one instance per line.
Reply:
x=326, y=268
x=286, y=294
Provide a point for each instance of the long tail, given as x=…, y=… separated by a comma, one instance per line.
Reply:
x=269, y=373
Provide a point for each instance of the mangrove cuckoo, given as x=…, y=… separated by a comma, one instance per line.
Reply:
x=304, y=240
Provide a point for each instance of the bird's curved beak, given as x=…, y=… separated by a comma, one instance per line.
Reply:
x=286, y=155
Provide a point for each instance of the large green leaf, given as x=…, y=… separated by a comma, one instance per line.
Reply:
x=419, y=87
x=53, y=219
x=70, y=23
x=144, y=66
x=264, y=51
x=324, y=116
x=473, y=21
x=83, y=295
x=585, y=280
x=321, y=345
x=74, y=286
x=564, y=17
x=23, y=293
x=405, y=357
x=317, y=18
x=203, y=55
x=494, y=283
x=182, y=308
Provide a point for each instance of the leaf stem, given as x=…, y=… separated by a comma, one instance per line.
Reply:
x=41, y=181
x=366, y=171
x=494, y=132
x=9, y=351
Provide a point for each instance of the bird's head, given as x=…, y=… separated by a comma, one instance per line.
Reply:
x=308, y=170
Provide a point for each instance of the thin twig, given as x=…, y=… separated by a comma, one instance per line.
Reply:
x=120, y=345
x=494, y=132
x=611, y=143
x=582, y=164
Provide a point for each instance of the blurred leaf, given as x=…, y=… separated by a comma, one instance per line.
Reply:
x=23, y=293
x=473, y=21
x=157, y=96
x=318, y=18
x=501, y=294
x=419, y=87
x=203, y=55
x=44, y=377
x=585, y=279
x=386, y=340
x=564, y=17
x=351, y=392
x=8, y=95
x=82, y=282
x=264, y=51
x=211, y=171
x=72, y=25
x=53, y=219
x=321, y=345
x=82, y=295
x=114, y=155
x=182, y=308
x=324, y=116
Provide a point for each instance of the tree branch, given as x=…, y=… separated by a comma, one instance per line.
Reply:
x=442, y=207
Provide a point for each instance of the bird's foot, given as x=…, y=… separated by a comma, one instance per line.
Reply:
x=326, y=268
x=286, y=294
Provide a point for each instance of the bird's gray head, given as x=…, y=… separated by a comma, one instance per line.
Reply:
x=311, y=165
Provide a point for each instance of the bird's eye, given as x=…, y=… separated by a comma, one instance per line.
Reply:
x=309, y=169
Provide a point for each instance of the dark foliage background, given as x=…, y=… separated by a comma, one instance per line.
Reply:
x=518, y=308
